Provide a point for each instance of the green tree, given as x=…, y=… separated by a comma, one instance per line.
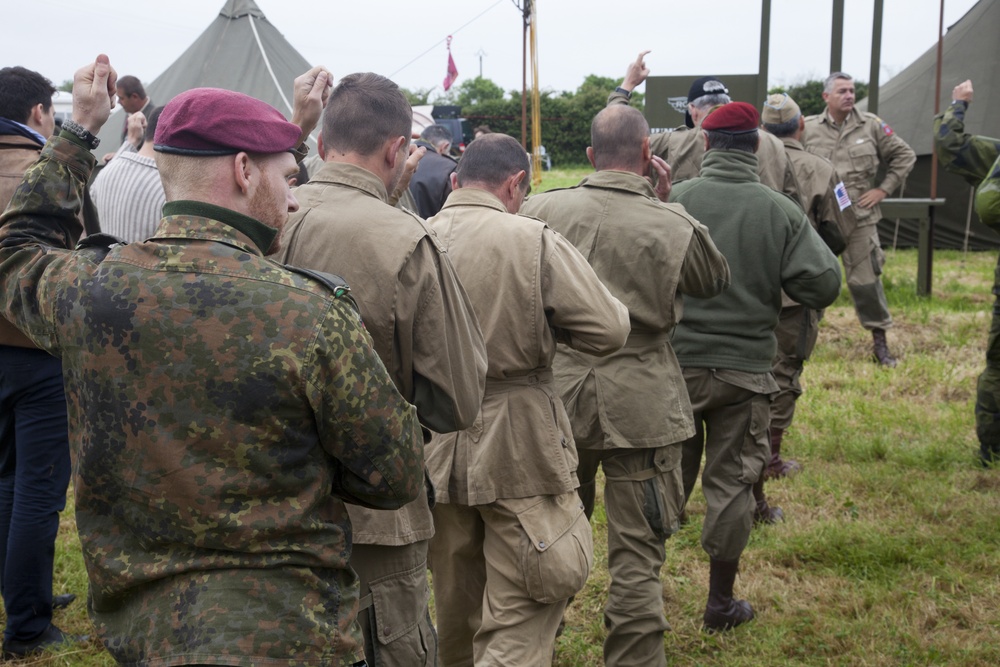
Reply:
x=417, y=97
x=66, y=86
x=476, y=91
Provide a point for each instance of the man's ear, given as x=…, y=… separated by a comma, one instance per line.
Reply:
x=590, y=156
x=36, y=115
x=647, y=151
x=454, y=181
x=392, y=149
x=514, y=184
x=243, y=169
x=320, y=148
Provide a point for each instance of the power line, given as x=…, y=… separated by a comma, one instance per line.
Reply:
x=434, y=46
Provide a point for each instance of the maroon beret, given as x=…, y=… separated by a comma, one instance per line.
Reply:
x=212, y=121
x=732, y=118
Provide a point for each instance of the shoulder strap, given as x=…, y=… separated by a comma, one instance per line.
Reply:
x=331, y=281
x=97, y=246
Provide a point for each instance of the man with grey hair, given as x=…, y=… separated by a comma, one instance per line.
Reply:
x=630, y=410
x=684, y=147
x=512, y=543
x=857, y=144
x=431, y=183
x=798, y=325
x=422, y=325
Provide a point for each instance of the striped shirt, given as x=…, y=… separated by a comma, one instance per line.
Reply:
x=129, y=196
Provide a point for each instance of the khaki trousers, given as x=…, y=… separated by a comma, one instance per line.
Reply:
x=503, y=574
x=643, y=499
x=731, y=425
x=397, y=627
x=797, y=330
x=863, y=261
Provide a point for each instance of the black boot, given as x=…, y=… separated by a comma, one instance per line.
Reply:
x=777, y=467
x=764, y=513
x=723, y=612
x=881, y=349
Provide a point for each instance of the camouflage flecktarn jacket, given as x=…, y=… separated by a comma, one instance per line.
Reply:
x=221, y=410
x=973, y=157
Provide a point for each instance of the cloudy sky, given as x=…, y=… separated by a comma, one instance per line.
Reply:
x=406, y=40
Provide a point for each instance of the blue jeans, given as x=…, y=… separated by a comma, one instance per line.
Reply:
x=34, y=474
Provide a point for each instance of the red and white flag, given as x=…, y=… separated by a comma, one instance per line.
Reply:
x=452, y=70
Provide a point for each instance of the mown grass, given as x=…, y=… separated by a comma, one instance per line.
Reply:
x=889, y=552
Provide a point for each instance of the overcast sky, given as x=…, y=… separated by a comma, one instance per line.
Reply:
x=406, y=40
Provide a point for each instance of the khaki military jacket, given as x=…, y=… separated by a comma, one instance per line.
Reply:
x=817, y=179
x=648, y=254
x=530, y=288
x=856, y=149
x=412, y=302
x=683, y=149
x=222, y=409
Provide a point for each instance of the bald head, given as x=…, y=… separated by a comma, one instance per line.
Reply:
x=618, y=136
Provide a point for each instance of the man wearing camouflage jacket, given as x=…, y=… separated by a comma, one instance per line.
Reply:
x=977, y=160
x=222, y=407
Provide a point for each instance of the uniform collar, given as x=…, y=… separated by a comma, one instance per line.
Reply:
x=352, y=176
x=195, y=219
x=619, y=180
x=474, y=197
x=793, y=144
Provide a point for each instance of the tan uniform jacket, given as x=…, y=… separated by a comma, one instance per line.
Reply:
x=683, y=149
x=856, y=149
x=817, y=179
x=413, y=305
x=531, y=288
x=648, y=254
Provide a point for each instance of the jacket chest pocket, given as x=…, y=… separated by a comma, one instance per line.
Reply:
x=864, y=159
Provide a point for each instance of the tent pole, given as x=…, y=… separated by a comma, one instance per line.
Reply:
x=873, y=78
x=765, y=48
x=837, y=36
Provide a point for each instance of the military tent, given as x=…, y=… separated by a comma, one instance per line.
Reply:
x=240, y=50
x=971, y=50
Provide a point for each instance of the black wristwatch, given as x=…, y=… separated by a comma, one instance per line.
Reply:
x=626, y=93
x=85, y=135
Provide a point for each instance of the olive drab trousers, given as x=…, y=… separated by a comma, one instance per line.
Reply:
x=643, y=498
x=732, y=432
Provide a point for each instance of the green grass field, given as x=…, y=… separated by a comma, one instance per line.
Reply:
x=889, y=552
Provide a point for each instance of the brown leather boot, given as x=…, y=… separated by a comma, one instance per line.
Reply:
x=880, y=351
x=777, y=467
x=764, y=513
x=723, y=612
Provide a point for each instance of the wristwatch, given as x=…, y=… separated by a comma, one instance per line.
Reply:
x=626, y=93
x=85, y=135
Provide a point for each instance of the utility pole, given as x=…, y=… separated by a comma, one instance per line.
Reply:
x=481, y=53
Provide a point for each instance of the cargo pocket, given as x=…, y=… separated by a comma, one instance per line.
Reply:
x=397, y=600
x=877, y=257
x=559, y=553
x=756, y=448
x=663, y=494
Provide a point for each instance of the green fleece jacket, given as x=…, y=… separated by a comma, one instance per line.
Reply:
x=769, y=245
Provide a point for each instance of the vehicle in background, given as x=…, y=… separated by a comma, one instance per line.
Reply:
x=63, y=102
x=450, y=117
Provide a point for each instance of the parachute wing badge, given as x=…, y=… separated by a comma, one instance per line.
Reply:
x=679, y=104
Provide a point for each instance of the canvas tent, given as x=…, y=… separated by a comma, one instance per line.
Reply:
x=240, y=50
x=971, y=50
